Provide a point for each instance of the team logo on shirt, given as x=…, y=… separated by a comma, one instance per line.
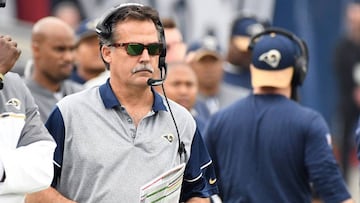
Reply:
x=169, y=137
x=14, y=102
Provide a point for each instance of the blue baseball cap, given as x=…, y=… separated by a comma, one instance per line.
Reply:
x=243, y=28
x=86, y=29
x=208, y=46
x=246, y=26
x=273, y=58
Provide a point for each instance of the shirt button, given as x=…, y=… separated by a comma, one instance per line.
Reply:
x=129, y=120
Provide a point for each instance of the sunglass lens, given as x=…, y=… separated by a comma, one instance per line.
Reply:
x=154, y=49
x=135, y=49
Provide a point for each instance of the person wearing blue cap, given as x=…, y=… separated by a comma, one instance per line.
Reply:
x=267, y=147
x=346, y=57
x=206, y=59
x=89, y=68
x=236, y=77
x=182, y=86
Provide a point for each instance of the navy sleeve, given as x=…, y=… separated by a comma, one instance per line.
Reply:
x=357, y=139
x=55, y=126
x=321, y=164
x=211, y=133
x=199, y=175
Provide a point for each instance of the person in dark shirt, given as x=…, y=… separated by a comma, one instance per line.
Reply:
x=267, y=147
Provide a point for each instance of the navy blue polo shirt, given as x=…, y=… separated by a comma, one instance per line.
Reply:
x=267, y=148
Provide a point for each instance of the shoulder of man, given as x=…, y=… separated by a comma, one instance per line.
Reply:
x=70, y=86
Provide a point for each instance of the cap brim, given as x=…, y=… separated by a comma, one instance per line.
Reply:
x=271, y=78
x=198, y=55
x=85, y=36
x=242, y=42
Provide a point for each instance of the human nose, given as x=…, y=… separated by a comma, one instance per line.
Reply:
x=144, y=57
x=183, y=90
x=69, y=55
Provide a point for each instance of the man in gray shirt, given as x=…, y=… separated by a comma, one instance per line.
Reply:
x=53, y=44
x=113, y=139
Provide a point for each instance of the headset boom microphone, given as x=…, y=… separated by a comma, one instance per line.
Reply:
x=156, y=82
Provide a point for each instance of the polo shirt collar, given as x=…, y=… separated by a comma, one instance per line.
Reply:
x=110, y=101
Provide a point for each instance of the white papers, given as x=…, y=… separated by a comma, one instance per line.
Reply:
x=164, y=188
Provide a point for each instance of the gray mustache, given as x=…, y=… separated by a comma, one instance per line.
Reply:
x=142, y=68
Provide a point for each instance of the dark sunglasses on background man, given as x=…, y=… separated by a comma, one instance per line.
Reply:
x=136, y=49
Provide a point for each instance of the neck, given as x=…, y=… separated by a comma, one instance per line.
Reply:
x=137, y=101
x=209, y=91
x=273, y=90
x=131, y=96
x=47, y=83
x=88, y=74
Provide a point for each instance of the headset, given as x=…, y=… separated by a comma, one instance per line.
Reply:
x=104, y=31
x=301, y=61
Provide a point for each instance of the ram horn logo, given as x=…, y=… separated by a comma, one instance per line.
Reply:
x=169, y=137
x=14, y=102
x=272, y=58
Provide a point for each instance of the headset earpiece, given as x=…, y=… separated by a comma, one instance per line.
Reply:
x=160, y=28
x=301, y=61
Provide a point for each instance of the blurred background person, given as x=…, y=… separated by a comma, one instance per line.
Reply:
x=205, y=58
x=89, y=68
x=181, y=86
x=69, y=12
x=347, y=69
x=53, y=44
x=175, y=46
x=237, y=72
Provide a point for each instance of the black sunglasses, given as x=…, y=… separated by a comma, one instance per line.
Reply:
x=136, y=49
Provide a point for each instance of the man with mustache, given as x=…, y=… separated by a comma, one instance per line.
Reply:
x=52, y=44
x=115, y=138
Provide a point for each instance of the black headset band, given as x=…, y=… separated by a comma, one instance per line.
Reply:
x=291, y=36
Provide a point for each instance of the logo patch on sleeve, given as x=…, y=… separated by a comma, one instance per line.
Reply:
x=14, y=102
x=169, y=137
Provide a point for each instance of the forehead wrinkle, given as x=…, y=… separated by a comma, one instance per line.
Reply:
x=129, y=28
